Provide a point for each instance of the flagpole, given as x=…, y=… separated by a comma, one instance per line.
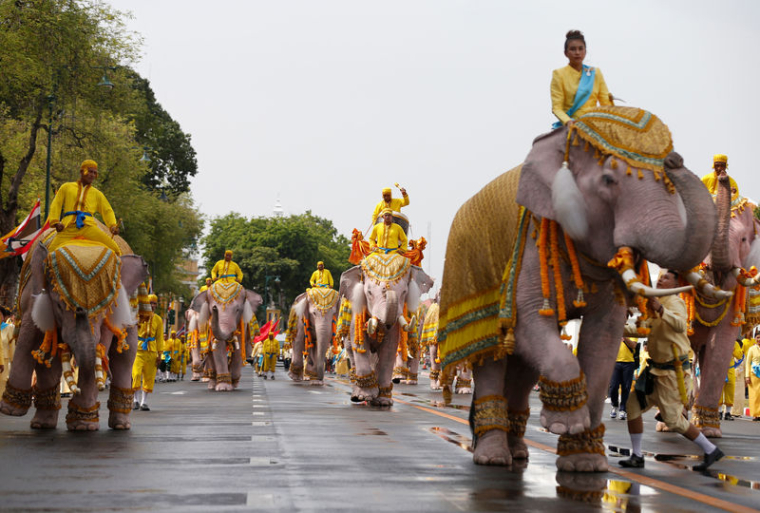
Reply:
x=51, y=99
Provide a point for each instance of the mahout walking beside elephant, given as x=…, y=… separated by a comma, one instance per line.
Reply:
x=560, y=237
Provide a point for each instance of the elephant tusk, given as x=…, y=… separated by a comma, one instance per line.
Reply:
x=705, y=288
x=634, y=284
x=745, y=278
x=372, y=326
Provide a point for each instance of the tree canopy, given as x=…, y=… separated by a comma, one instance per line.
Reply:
x=284, y=247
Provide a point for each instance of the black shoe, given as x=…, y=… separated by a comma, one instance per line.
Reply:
x=136, y=406
x=633, y=462
x=709, y=459
x=756, y=419
x=720, y=415
x=728, y=416
x=658, y=417
x=144, y=407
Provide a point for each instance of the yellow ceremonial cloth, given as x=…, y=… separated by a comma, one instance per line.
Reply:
x=323, y=277
x=154, y=327
x=203, y=288
x=711, y=182
x=753, y=357
x=72, y=197
x=224, y=268
x=391, y=237
x=271, y=349
x=481, y=242
x=144, y=371
x=564, y=86
x=394, y=204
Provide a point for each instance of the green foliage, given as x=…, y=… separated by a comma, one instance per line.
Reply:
x=288, y=247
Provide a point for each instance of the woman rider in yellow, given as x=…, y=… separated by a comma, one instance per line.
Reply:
x=576, y=88
x=387, y=236
x=72, y=209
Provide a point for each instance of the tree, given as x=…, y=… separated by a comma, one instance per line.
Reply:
x=288, y=247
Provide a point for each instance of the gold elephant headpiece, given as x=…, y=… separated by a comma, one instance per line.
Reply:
x=634, y=136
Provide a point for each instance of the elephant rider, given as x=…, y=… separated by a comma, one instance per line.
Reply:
x=150, y=346
x=576, y=88
x=271, y=349
x=226, y=270
x=207, y=285
x=71, y=213
x=390, y=202
x=321, y=277
x=661, y=383
x=387, y=236
x=720, y=165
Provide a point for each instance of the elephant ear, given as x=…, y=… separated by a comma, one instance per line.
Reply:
x=134, y=271
x=539, y=170
x=252, y=301
x=348, y=280
x=198, y=301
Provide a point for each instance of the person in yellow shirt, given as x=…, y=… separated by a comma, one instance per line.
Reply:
x=752, y=378
x=150, y=345
x=226, y=270
x=321, y=277
x=727, y=396
x=170, y=356
x=577, y=88
x=622, y=377
x=390, y=202
x=387, y=236
x=271, y=350
x=72, y=209
x=741, y=388
x=720, y=165
x=207, y=285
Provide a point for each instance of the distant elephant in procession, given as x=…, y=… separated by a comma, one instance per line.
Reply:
x=407, y=366
x=74, y=302
x=562, y=237
x=717, y=323
x=315, y=314
x=380, y=290
x=228, y=307
x=197, y=343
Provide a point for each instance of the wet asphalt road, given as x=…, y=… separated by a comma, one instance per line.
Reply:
x=284, y=446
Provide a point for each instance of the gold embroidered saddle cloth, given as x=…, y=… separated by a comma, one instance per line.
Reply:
x=386, y=268
x=225, y=293
x=322, y=298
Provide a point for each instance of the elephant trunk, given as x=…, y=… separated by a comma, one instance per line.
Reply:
x=701, y=220
x=83, y=347
x=720, y=257
x=391, y=308
x=216, y=329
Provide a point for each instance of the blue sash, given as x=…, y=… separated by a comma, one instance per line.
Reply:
x=387, y=250
x=585, y=87
x=227, y=276
x=80, y=216
x=756, y=369
x=323, y=285
x=144, y=342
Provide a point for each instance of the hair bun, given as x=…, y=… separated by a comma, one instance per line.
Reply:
x=574, y=34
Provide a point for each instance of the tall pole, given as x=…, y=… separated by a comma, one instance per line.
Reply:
x=51, y=99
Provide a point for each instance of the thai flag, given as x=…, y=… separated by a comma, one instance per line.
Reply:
x=19, y=240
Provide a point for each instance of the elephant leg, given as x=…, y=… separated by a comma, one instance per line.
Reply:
x=435, y=368
x=209, y=370
x=386, y=357
x=717, y=358
x=296, y=364
x=400, y=370
x=464, y=380
x=223, y=376
x=414, y=369
x=522, y=378
x=197, y=364
x=84, y=407
x=365, y=379
x=47, y=396
x=598, y=346
x=17, y=397
x=236, y=367
x=488, y=414
x=121, y=395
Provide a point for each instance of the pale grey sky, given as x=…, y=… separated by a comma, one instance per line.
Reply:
x=324, y=103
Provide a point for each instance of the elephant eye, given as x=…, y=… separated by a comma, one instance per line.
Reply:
x=608, y=179
x=744, y=239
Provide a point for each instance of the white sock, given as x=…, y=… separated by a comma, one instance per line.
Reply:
x=704, y=444
x=143, y=396
x=636, y=443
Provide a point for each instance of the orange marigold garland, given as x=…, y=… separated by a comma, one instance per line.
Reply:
x=580, y=301
x=360, y=319
x=546, y=310
x=558, y=287
x=740, y=305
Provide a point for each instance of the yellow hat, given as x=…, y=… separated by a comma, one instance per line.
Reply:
x=320, y=263
x=386, y=211
x=719, y=157
x=228, y=252
x=387, y=190
x=153, y=298
x=87, y=164
x=208, y=279
x=174, y=332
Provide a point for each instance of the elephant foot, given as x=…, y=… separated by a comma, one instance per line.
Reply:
x=224, y=387
x=517, y=447
x=317, y=382
x=359, y=394
x=196, y=376
x=409, y=381
x=294, y=376
x=45, y=419
x=119, y=421
x=492, y=449
x=211, y=383
x=464, y=390
x=205, y=379
x=13, y=411
x=82, y=426
x=566, y=422
x=434, y=385
x=583, y=462
x=81, y=418
x=711, y=432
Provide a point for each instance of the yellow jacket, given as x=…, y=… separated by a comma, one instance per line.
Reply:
x=392, y=237
x=394, y=204
x=323, y=277
x=753, y=357
x=736, y=356
x=150, y=335
x=564, y=86
x=711, y=182
x=271, y=347
x=227, y=272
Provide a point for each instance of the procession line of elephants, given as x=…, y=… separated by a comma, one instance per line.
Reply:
x=668, y=218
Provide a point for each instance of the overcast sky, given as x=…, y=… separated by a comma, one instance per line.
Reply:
x=324, y=103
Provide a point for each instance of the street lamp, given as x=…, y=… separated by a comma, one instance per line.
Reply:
x=266, y=287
